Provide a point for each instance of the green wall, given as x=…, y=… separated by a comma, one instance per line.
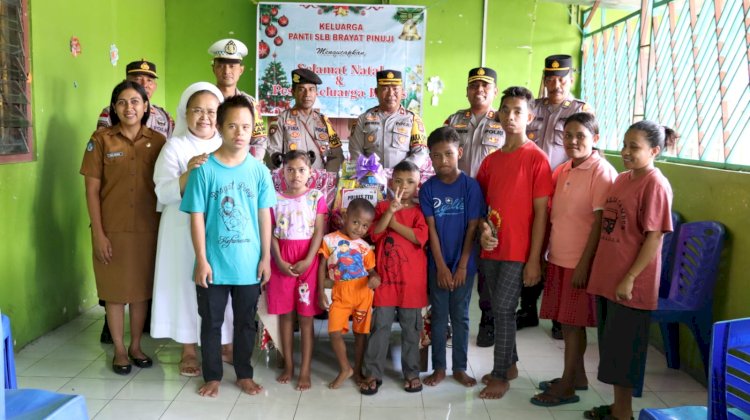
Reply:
x=45, y=253
x=511, y=49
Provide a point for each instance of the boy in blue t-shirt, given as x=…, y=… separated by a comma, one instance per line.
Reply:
x=229, y=199
x=452, y=203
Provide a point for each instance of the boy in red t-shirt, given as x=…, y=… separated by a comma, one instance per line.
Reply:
x=517, y=182
x=400, y=234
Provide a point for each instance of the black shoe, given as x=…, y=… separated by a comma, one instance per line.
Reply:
x=121, y=369
x=526, y=319
x=556, y=331
x=323, y=315
x=106, y=337
x=146, y=362
x=486, y=336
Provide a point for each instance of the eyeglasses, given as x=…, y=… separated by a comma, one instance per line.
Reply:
x=198, y=112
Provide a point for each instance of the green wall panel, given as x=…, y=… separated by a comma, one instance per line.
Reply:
x=45, y=251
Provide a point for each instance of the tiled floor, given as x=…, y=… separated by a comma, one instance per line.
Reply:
x=71, y=360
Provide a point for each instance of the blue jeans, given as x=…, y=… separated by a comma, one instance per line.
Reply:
x=453, y=304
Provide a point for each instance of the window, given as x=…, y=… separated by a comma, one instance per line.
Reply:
x=15, y=106
x=695, y=71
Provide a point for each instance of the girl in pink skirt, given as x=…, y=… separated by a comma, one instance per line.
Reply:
x=298, y=228
x=581, y=186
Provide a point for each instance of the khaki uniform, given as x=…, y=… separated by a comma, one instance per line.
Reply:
x=293, y=130
x=480, y=136
x=159, y=121
x=393, y=137
x=259, y=139
x=128, y=210
x=548, y=127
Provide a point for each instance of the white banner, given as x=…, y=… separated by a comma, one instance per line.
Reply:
x=343, y=44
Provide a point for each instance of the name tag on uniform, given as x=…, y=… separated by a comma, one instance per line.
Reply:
x=115, y=154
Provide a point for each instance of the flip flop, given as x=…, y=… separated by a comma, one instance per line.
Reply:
x=370, y=390
x=598, y=412
x=544, y=385
x=410, y=385
x=555, y=400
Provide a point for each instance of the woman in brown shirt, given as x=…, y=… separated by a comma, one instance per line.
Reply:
x=118, y=166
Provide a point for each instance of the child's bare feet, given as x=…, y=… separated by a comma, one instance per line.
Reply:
x=249, y=386
x=303, y=383
x=495, y=389
x=437, y=376
x=511, y=374
x=285, y=377
x=462, y=378
x=209, y=389
x=343, y=376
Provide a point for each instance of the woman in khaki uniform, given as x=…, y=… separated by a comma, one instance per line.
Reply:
x=119, y=165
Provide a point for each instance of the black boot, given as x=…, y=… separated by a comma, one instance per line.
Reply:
x=526, y=317
x=486, y=335
x=556, y=330
x=106, y=337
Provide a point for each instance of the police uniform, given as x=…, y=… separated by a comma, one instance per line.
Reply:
x=234, y=50
x=159, y=119
x=393, y=137
x=128, y=210
x=293, y=130
x=547, y=128
x=480, y=135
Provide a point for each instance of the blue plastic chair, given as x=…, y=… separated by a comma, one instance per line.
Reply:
x=667, y=255
x=9, y=362
x=28, y=404
x=729, y=383
x=729, y=388
x=690, y=301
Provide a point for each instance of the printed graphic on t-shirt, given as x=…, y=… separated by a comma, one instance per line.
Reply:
x=395, y=257
x=613, y=212
x=349, y=262
x=447, y=206
x=232, y=216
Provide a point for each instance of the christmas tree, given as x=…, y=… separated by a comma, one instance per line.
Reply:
x=275, y=92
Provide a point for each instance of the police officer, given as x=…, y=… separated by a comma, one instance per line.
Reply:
x=144, y=73
x=547, y=131
x=305, y=128
x=227, y=67
x=389, y=130
x=480, y=135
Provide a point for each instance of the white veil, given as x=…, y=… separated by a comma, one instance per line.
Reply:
x=181, y=128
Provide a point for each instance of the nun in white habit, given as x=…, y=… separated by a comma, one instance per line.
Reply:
x=175, y=309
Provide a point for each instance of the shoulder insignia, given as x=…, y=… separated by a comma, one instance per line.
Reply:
x=566, y=104
x=467, y=114
x=90, y=146
x=491, y=114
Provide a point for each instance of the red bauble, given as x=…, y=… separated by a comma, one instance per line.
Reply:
x=265, y=19
x=283, y=21
x=278, y=41
x=271, y=31
x=263, y=49
x=274, y=11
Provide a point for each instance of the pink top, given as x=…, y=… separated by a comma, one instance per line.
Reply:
x=579, y=192
x=633, y=208
x=294, y=217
